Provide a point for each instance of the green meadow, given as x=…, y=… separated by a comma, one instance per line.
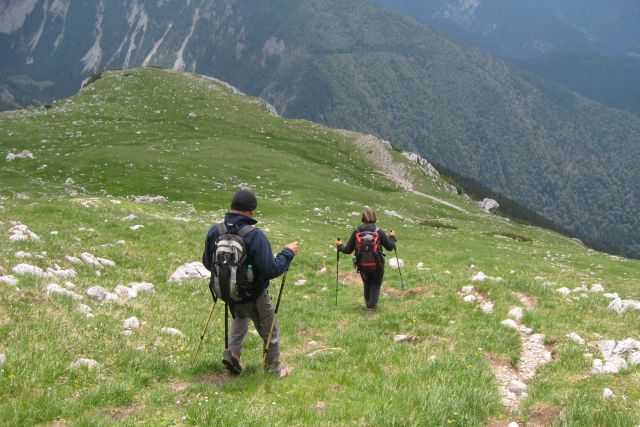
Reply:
x=195, y=142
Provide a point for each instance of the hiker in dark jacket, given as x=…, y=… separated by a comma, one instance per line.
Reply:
x=371, y=275
x=265, y=267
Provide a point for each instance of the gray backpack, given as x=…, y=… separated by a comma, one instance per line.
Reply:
x=232, y=275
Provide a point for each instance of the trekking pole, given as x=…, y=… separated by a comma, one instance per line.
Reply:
x=275, y=315
x=337, y=270
x=206, y=326
x=399, y=269
x=226, y=326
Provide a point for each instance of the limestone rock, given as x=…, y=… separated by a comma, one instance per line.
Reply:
x=489, y=205
x=607, y=393
x=563, y=291
x=24, y=154
x=142, y=286
x=101, y=295
x=28, y=269
x=131, y=323
x=125, y=291
x=55, y=289
x=510, y=323
x=172, y=331
x=88, y=363
x=469, y=298
x=597, y=287
x=479, y=277
x=9, y=280
x=90, y=260
x=191, y=271
x=622, y=306
x=73, y=260
x=517, y=387
x=396, y=263
x=60, y=273
x=467, y=290
x=575, y=337
x=21, y=232
x=516, y=313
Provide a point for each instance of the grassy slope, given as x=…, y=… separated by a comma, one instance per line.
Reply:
x=133, y=129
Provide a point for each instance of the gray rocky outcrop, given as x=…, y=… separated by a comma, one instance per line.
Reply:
x=488, y=205
x=192, y=271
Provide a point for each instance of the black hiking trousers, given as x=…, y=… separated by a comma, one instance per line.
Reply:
x=372, y=280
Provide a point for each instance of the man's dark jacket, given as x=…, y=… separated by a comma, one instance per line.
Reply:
x=260, y=255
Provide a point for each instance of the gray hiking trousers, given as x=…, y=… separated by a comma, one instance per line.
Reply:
x=261, y=312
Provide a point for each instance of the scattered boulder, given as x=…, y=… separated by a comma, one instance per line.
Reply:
x=613, y=295
x=100, y=294
x=396, y=263
x=22, y=255
x=28, y=269
x=21, y=232
x=88, y=363
x=516, y=313
x=576, y=338
x=300, y=282
x=563, y=291
x=83, y=308
x=467, y=290
x=510, y=323
x=90, y=260
x=55, y=289
x=172, y=331
x=106, y=262
x=479, y=277
x=61, y=273
x=634, y=358
x=597, y=288
x=150, y=199
x=129, y=217
x=607, y=393
x=192, y=271
x=488, y=205
x=142, y=286
x=622, y=306
x=131, y=323
x=517, y=387
x=9, y=280
x=73, y=260
x=469, y=298
x=420, y=266
x=404, y=338
x=24, y=154
x=125, y=291
x=136, y=227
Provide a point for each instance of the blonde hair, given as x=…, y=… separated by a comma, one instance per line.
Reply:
x=368, y=216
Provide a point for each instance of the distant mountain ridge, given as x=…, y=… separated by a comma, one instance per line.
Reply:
x=528, y=28
x=354, y=65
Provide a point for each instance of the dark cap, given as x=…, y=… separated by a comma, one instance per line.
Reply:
x=244, y=201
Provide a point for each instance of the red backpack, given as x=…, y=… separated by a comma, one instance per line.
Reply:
x=368, y=250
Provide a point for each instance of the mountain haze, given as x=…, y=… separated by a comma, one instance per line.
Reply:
x=354, y=65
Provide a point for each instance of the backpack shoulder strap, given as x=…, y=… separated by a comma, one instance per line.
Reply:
x=246, y=230
x=221, y=228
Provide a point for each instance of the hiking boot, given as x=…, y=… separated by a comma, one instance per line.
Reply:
x=232, y=362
